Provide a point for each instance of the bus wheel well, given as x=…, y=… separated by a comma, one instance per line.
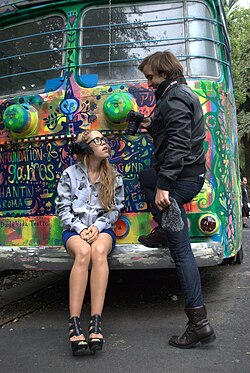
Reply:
x=239, y=256
x=236, y=259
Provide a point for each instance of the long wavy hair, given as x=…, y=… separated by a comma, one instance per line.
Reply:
x=107, y=174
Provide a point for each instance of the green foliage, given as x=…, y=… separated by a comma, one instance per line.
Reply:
x=243, y=119
x=228, y=4
x=238, y=27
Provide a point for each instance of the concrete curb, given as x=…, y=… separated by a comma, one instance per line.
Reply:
x=29, y=287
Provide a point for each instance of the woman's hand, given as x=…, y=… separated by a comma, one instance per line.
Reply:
x=84, y=234
x=91, y=234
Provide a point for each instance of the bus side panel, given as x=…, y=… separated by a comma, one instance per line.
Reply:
x=222, y=161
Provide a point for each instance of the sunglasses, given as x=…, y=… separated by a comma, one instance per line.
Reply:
x=99, y=141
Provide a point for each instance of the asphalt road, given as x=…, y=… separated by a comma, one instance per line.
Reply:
x=140, y=315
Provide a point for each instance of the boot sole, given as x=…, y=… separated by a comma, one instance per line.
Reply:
x=95, y=346
x=155, y=245
x=209, y=339
x=79, y=352
x=203, y=341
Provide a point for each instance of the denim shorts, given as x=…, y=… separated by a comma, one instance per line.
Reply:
x=67, y=234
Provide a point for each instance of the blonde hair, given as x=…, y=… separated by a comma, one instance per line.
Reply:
x=107, y=174
x=163, y=63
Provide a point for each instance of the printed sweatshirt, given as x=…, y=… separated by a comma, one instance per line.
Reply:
x=78, y=205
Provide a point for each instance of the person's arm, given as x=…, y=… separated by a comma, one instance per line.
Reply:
x=64, y=206
x=247, y=196
x=177, y=123
x=110, y=217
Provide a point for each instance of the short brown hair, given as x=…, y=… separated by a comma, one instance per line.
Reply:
x=163, y=63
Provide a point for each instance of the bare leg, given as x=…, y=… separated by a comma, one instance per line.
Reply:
x=99, y=273
x=80, y=251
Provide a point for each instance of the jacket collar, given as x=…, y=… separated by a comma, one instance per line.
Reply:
x=167, y=84
x=82, y=167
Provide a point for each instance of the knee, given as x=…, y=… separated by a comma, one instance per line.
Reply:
x=147, y=179
x=82, y=256
x=99, y=254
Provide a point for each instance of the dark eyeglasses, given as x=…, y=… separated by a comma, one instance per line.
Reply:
x=99, y=140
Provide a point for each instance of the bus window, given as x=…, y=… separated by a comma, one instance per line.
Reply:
x=202, y=27
x=30, y=54
x=114, y=39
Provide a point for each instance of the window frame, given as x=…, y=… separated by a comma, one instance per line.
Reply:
x=187, y=57
x=62, y=49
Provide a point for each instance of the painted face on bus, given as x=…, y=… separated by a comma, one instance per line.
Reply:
x=154, y=79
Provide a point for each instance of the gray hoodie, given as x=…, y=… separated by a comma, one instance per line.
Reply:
x=78, y=205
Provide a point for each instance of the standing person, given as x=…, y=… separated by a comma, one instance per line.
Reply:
x=177, y=128
x=245, y=201
x=90, y=196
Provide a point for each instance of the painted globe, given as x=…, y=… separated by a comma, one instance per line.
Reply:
x=117, y=106
x=15, y=117
x=21, y=120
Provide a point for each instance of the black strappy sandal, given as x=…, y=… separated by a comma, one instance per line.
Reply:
x=95, y=343
x=78, y=347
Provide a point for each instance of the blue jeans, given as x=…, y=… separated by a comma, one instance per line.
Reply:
x=183, y=191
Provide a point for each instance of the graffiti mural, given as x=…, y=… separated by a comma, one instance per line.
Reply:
x=28, y=177
x=30, y=168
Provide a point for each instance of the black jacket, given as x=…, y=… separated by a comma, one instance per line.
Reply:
x=245, y=199
x=178, y=133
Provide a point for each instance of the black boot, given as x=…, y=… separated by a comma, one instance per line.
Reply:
x=198, y=329
x=157, y=238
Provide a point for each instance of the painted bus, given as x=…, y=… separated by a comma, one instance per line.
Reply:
x=68, y=66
